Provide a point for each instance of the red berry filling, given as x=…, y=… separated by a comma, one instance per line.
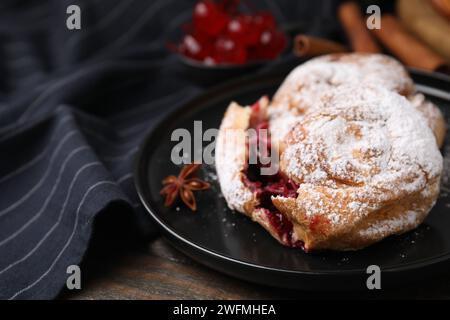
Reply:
x=220, y=34
x=266, y=186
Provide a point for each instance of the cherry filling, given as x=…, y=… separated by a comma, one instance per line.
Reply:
x=266, y=186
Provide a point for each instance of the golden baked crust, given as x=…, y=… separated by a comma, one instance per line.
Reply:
x=433, y=115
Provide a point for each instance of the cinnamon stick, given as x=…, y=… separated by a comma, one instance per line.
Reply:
x=442, y=7
x=354, y=24
x=406, y=47
x=307, y=46
x=421, y=20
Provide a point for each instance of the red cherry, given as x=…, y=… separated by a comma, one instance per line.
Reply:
x=209, y=61
x=228, y=51
x=203, y=9
x=194, y=49
x=277, y=44
x=190, y=47
x=208, y=19
x=266, y=19
x=267, y=37
x=253, y=31
x=200, y=36
x=237, y=30
x=271, y=44
x=225, y=45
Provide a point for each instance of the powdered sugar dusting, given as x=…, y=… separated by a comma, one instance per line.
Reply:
x=230, y=156
x=365, y=145
x=299, y=92
x=391, y=226
x=431, y=112
x=305, y=83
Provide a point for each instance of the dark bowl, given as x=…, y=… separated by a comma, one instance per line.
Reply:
x=208, y=75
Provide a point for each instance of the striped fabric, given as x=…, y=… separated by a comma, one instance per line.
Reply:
x=74, y=106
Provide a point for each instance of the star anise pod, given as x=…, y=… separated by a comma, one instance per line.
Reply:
x=183, y=186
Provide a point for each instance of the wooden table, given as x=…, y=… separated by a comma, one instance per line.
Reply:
x=155, y=270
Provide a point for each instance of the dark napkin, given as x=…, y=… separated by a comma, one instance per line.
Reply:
x=74, y=108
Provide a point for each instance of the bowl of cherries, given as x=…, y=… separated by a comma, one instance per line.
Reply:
x=226, y=38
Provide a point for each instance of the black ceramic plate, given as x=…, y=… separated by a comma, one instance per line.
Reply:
x=231, y=243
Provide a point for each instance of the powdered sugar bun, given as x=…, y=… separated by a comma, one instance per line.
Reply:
x=299, y=92
x=359, y=155
x=368, y=167
x=305, y=83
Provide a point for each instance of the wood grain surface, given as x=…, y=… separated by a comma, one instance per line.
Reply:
x=155, y=270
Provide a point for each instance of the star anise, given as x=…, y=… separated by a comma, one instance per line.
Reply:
x=183, y=186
